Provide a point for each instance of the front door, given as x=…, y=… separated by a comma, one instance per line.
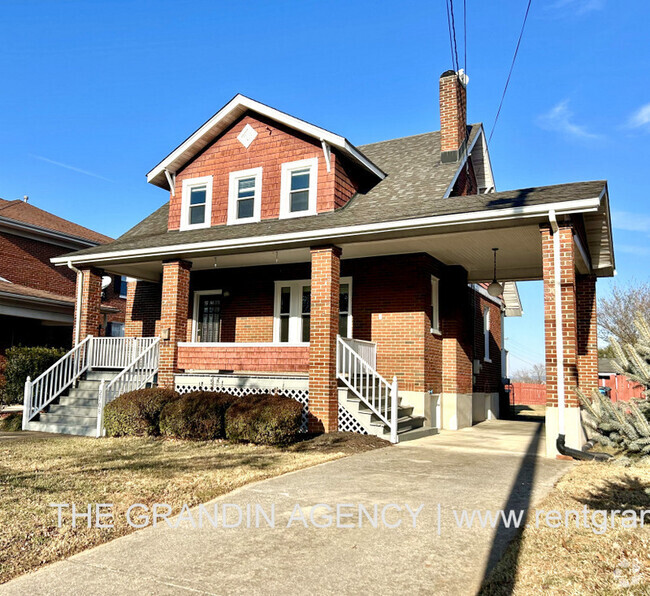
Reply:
x=209, y=318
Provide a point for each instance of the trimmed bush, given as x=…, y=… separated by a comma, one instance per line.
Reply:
x=198, y=415
x=11, y=422
x=137, y=413
x=22, y=362
x=265, y=419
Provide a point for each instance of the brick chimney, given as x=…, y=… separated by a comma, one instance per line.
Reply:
x=453, y=115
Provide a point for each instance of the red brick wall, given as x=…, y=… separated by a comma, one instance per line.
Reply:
x=27, y=262
x=488, y=380
x=143, y=301
x=587, y=333
x=466, y=182
x=323, y=385
x=291, y=359
x=568, y=298
x=274, y=145
x=173, y=316
x=453, y=117
x=91, y=295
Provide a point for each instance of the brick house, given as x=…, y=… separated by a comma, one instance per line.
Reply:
x=36, y=298
x=356, y=278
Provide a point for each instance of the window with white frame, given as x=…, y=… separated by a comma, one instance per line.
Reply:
x=245, y=196
x=196, y=204
x=298, y=188
x=435, y=305
x=486, y=334
x=292, y=321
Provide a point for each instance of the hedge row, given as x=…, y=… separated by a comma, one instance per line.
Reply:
x=205, y=415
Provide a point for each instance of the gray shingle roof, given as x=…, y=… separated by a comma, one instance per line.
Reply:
x=414, y=187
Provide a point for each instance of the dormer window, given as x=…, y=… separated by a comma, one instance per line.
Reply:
x=298, y=192
x=245, y=196
x=196, y=206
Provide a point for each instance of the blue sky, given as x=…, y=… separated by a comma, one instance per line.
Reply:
x=96, y=93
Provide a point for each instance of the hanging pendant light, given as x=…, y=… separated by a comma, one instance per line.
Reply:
x=495, y=288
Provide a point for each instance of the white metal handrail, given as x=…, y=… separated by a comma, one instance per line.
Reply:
x=136, y=375
x=367, y=350
x=117, y=352
x=45, y=388
x=368, y=385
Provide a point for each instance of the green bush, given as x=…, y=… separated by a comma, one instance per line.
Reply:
x=265, y=419
x=22, y=362
x=137, y=413
x=11, y=422
x=198, y=415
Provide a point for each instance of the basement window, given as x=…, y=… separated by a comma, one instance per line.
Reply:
x=298, y=188
x=196, y=205
x=245, y=196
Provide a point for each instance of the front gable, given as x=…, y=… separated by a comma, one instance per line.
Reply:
x=262, y=152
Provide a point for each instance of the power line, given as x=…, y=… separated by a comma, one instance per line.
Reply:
x=453, y=28
x=465, y=35
x=451, y=42
x=514, y=57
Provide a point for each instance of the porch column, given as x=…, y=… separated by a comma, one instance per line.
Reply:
x=323, y=386
x=587, y=333
x=173, y=317
x=573, y=427
x=87, y=314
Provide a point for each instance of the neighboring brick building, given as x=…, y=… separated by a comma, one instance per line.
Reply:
x=36, y=298
x=286, y=258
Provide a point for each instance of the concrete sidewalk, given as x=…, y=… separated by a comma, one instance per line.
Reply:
x=490, y=466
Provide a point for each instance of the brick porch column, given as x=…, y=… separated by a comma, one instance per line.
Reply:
x=173, y=317
x=323, y=386
x=587, y=333
x=88, y=313
x=573, y=427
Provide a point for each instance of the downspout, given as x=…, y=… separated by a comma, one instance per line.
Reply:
x=559, y=343
x=77, y=314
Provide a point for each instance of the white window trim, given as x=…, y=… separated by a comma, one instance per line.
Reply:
x=486, y=334
x=295, y=310
x=195, y=313
x=435, y=305
x=285, y=187
x=126, y=279
x=188, y=184
x=232, y=196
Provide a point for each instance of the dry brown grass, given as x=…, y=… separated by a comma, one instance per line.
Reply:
x=571, y=561
x=35, y=472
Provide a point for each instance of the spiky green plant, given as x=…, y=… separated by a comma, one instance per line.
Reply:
x=624, y=426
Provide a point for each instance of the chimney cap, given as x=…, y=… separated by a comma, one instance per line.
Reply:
x=448, y=73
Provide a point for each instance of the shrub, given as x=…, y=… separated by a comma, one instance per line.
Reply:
x=138, y=412
x=11, y=422
x=198, y=415
x=22, y=362
x=265, y=419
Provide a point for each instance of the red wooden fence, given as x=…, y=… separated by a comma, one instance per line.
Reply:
x=529, y=394
x=622, y=388
x=533, y=394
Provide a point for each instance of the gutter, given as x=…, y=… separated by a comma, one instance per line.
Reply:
x=344, y=232
x=77, y=314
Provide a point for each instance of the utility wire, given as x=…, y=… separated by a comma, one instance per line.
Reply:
x=453, y=28
x=451, y=42
x=465, y=35
x=514, y=57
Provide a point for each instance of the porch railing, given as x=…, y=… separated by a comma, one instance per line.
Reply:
x=368, y=385
x=92, y=352
x=136, y=375
x=45, y=388
x=367, y=350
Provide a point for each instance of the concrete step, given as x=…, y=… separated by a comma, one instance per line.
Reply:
x=99, y=375
x=76, y=401
x=417, y=433
x=403, y=424
x=64, y=429
x=85, y=385
x=63, y=419
x=73, y=410
x=87, y=393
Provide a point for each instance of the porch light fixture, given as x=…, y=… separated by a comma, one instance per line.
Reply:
x=495, y=288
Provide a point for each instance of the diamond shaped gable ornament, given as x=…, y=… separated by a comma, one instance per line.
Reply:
x=247, y=136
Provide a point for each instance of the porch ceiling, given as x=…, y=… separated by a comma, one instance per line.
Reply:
x=519, y=256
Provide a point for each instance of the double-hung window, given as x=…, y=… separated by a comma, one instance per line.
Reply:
x=245, y=196
x=435, y=305
x=298, y=188
x=293, y=311
x=196, y=204
x=486, y=334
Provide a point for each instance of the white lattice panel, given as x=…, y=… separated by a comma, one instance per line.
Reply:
x=186, y=384
x=347, y=422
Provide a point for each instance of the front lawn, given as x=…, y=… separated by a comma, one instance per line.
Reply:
x=37, y=471
x=578, y=561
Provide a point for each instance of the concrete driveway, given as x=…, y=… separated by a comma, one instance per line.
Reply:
x=492, y=466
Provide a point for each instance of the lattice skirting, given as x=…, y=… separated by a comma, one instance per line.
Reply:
x=293, y=388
